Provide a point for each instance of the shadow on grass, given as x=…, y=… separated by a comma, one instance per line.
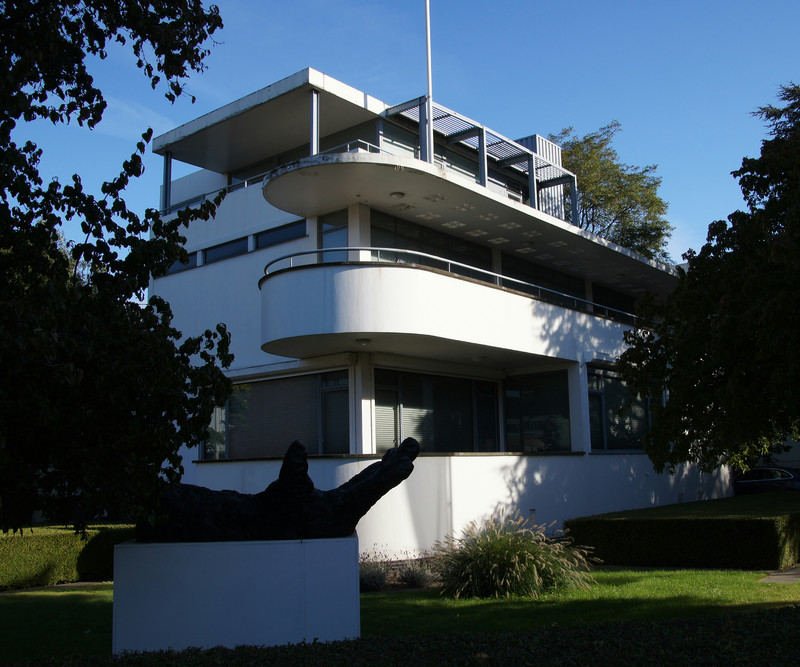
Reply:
x=56, y=622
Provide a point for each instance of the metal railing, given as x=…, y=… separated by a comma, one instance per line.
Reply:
x=199, y=199
x=354, y=146
x=413, y=258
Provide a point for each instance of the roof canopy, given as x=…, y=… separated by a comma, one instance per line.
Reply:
x=246, y=131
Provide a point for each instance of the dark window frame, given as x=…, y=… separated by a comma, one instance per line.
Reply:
x=600, y=392
x=179, y=267
x=283, y=234
x=223, y=251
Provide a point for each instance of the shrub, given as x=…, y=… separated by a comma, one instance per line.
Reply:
x=416, y=574
x=761, y=531
x=509, y=556
x=48, y=556
x=373, y=572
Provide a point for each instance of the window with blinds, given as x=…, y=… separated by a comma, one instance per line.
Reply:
x=261, y=419
x=444, y=414
x=617, y=420
x=537, y=413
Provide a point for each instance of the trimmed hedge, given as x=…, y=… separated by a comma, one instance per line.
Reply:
x=763, y=637
x=733, y=533
x=49, y=556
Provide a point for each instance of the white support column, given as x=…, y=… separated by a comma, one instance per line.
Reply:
x=580, y=432
x=312, y=231
x=363, y=388
x=358, y=231
x=314, y=122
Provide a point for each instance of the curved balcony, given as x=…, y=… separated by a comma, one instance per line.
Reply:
x=438, y=198
x=413, y=304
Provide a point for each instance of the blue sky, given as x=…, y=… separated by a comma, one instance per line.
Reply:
x=681, y=76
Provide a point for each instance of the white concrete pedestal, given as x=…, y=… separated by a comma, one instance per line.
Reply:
x=176, y=595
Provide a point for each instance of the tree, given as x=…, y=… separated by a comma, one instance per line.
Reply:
x=724, y=347
x=615, y=200
x=97, y=390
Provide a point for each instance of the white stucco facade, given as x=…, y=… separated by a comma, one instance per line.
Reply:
x=448, y=301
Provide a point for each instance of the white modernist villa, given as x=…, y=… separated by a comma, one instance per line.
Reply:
x=393, y=271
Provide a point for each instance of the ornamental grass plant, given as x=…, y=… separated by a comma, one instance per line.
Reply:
x=417, y=573
x=373, y=571
x=510, y=556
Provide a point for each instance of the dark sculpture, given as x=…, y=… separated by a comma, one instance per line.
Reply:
x=290, y=508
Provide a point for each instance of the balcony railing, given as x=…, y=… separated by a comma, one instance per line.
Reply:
x=413, y=258
x=203, y=196
x=355, y=146
x=362, y=146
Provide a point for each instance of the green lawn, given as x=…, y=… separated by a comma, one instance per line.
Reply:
x=618, y=595
x=65, y=621
x=56, y=622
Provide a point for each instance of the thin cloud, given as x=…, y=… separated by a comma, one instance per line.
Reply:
x=125, y=119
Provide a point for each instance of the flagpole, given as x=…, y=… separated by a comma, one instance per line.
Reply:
x=429, y=98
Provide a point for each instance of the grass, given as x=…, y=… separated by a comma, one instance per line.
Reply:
x=77, y=620
x=618, y=595
x=57, y=621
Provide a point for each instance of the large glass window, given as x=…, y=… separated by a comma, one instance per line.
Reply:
x=551, y=279
x=333, y=234
x=261, y=419
x=390, y=232
x=618, y=420
x=444, y=414
x=605, y=296
x=537, y=413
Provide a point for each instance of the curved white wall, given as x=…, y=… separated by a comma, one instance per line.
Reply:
x=390, y=299
x=445, y=493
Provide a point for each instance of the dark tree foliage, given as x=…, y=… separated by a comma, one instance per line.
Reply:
x=724, y=348
x=616, y=201
x=97, y=390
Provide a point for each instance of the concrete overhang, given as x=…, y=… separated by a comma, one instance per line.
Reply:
x=268, y=122
x=407, y=310
x=439, y=199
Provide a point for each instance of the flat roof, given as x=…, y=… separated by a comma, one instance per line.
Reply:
x=246, y=131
